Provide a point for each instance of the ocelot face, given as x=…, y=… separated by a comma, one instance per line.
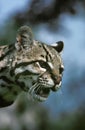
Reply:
x=44, y=73
x=30, y=66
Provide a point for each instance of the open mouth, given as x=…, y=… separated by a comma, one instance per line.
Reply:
x=39, y=93
x=44, y=92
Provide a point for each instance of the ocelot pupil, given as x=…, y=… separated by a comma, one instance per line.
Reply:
x=42, y=64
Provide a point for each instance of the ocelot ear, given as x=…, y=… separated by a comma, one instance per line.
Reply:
x=58, y=46
x=24, y=37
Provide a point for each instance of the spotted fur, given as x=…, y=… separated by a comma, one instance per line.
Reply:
x=30, y=66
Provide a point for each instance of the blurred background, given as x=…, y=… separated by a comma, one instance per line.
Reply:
x=51, y=21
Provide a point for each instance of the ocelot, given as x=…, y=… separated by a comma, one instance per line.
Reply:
x=30, y=66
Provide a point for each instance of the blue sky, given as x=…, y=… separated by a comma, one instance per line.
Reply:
x=9, y=6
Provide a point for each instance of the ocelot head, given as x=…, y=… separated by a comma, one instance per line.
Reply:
x=39, y=68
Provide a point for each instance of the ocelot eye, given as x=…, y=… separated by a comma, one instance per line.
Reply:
x=61, y=69
x=43, y=64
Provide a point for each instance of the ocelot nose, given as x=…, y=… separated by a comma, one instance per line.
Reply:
x=57, y=79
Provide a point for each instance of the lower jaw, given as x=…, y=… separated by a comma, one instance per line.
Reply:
x=39, y=98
